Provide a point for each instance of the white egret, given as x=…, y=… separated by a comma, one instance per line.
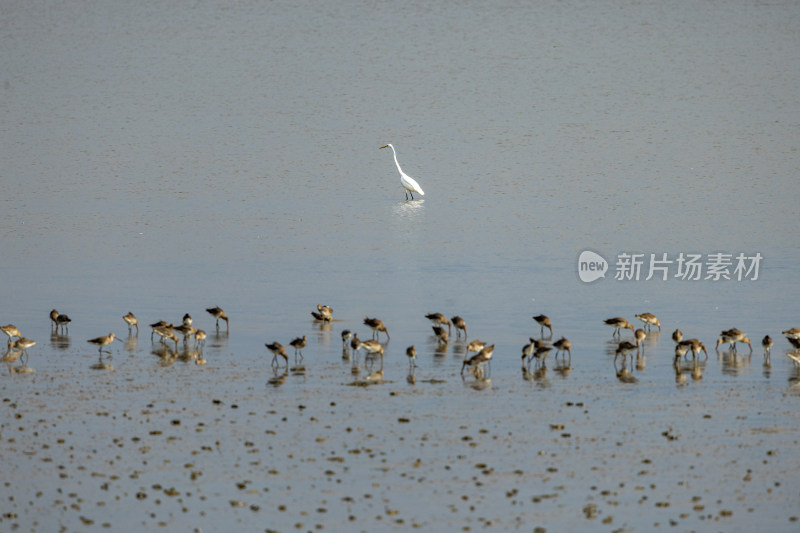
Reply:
x=409, y=184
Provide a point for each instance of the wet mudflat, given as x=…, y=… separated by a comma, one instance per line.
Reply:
x=332, y=443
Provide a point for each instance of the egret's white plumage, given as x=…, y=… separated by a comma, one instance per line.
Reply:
x=409, y=184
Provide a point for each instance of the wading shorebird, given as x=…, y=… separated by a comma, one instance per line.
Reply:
x=376, y=326
x=323, y=312
x=618, y=323
x=63, y=322
x=460, y=325
x=355, y=345
x=732, y=336
x=199, y=337
x=529, y=349
x=54, y=318
x=298, y=344
x=793, y=333
x=372, y=347
x=649, y=320
x=187, y=330
x=102, y=342
x=438, y=319
x=478, y=360
x=346, y=334
x=640, y=336
x=766, y=343
x=677, y=336
x=544, y=322
x=695, y=346
x=159, y=324
x=475, y=346
x=23, y=344
x=680, y=350
x=540, y=354
x=131, y=321
x=441, y=334
x=563, y=345
x=410, y=185
x=411, y=353
x=187, y=319
x=12, y=331
x=166, y=332
x=277, y=349
x=624, y=349
x=218, y=314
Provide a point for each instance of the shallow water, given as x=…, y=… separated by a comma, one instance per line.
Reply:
x=162, y=160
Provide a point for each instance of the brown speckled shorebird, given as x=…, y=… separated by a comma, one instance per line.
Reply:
x=640, y=336
x=563, y=345
x=346, y=334
x=23, y=344
x=372, y=347
x=63, y=322
x=529, y=349
x=298, y=344
x=624, y=349
x=732, y=336
x=680, y=350
x=649, y=320
x=218, y=314
x=411, y=353
x=766, y=343
x=539, y=354
x=102, y=342
x=200, y=337
x=323, y=313
x=793, y=333
x=438, y=319
x=165, y=332
x=441, y=334
x=159, y=324
x=544, y=322
x=677, y=336
x=460, y=325
x=12, y=331
x=478, y=360
x=355, y=345
x=376, y=326
x=184, y=329
x=277, y=350
x=618, y=323
x=132, y=321
x=475, y=346
x=695, y=346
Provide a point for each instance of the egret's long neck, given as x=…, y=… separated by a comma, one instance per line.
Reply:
x=395, y=160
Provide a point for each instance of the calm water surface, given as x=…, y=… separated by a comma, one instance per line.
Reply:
x=165, y=159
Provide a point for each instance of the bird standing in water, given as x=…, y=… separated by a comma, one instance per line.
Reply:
x=218, y=314
x=409, y=184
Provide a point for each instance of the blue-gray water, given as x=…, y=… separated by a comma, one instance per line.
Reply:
x=164, y=159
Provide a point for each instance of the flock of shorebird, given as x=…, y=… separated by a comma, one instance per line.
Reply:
x=537, y=350
x=684, y=346
x=60, y=322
